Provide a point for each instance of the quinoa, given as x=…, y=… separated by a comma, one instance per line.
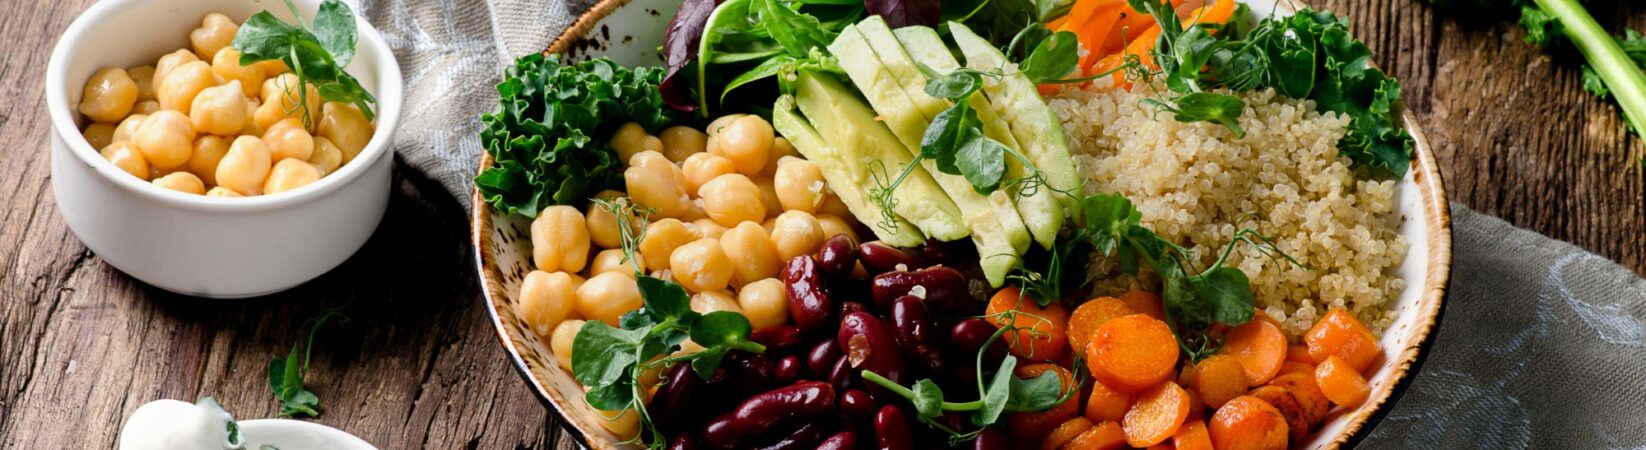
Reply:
x=1193, y=181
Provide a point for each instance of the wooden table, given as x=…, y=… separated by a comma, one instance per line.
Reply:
x=81, y=345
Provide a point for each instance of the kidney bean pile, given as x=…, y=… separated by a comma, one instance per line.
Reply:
x=912, y=317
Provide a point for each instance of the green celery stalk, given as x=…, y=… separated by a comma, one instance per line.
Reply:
x=1622, y=76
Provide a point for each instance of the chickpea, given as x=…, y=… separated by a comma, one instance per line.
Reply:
x=108, y=96
x=345, y=126
x=718, y=125
x=768, y=224
x=624, y=424
x=607, y=296
x=171, y=61
x=128, y=127
x=694, y=211
x=731, y=199
x=655, y=182
x=282, y=92
x=701, y=167
x=833, y=225
x=701, y=266
x=710, y=301
x=226, y=65
x=224, y=192
x=768, y=196
x=561, y=342
x=680, y=142
x=707, y=229
x=265, y=116
x=751, y=252
x=144, y=77
x=146, y=107
x=326, y=156
x=613, y=260
x=782, y=148
x=182, y=182
x=245, y=166
x=651, y=143
x=128, y=159
x=834, y=207
x=253, y=107
x=166, y=139
x=178, y=89
x=560, y=241
x=215, y=33
x=764, y=302
x=99, y=135
x=208, y=151
x=272, y=67
x=712, y=146
x=289, y=174
x=288, y=139
x=796, y=233
x=220, y=110
x=603, y=225
x=748, y=143
x=627, y=140
x=546, y=299
x=800, y=185
x=661, y=239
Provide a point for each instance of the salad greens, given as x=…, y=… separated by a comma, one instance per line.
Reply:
x=286, y=374
x=712, y=49
x=1309, y=55
x=547, y=138
x=316, y=52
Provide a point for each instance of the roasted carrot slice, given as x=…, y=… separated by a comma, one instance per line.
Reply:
x=1130, y=27
x=1034, y=425
x=1192, y=436
x=1092, y=314
x=1341, y=383
x=1248, y=423
x=1218, y=12
x=1132, y=353
x=1106, y=403
x=1163, y=446
x=1300, y=354
x=1307, y=392
x=1297, y=415
x=1065, y=433
x=1096, y=29
x=1040, y=332
x=1295, y=367
x=1340, y=333
x=1260, y=347
x=1103, y=436
x=1156, y=416
x=1218, y=379
x=1145, y=302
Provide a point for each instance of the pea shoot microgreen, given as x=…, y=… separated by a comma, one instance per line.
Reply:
x=632, y=219
x=286, y=374
x=316, y=52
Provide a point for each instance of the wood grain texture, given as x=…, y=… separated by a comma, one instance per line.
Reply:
x=81, y=345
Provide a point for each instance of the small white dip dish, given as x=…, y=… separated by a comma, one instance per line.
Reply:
x=197, y=245
x=298, y=435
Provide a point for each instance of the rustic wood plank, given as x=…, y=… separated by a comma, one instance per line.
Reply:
x=419, y=366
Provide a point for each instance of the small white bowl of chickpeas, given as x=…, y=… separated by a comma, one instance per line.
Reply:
x=196, y=174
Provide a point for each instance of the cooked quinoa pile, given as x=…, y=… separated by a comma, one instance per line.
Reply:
x=1193, y=182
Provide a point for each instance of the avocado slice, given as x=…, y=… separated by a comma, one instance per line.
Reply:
x=902, y=67
x=1039, y=211
x=1032, y=121
x=870, y=149
x=846, y=184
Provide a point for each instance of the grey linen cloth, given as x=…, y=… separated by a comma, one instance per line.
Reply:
x=1542, y=345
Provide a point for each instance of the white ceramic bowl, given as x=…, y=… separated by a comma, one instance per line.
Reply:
x=629, y=32
x=191, y=244
x=298, y=435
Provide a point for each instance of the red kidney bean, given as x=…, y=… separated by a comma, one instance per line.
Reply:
x=916, y=333
x=789, y=369
x=759, y=413
x=845, y=440
x=841, y=375
x=891, y=429
x=822, y=358
x=682, y=441
x=749, y=373
x=851, y=307
x=719, y=435
x=989, y=439
x=837, y=256
x=878, y=257
x=809, y=302
x=952, y=253
x=857, y=403
x=869, y=345
x=806, y=436
x=967, y=336
x=779, y=340
x=677, y=400
x=943, y=287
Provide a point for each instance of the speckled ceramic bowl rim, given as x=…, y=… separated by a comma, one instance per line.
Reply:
x=1426, y=179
